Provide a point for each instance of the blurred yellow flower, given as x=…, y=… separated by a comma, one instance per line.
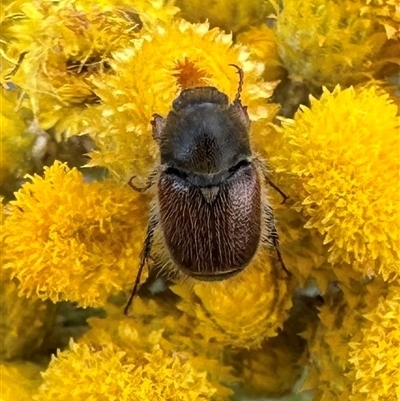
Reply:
x=273, y=369
x=262, y=44
x=25, y=323
x=387, y=13
x=150, y=75
x=353, y=352
x=64, y=44
x=19, y=380
x=373, y=352
x=342, y=159
x=69, y=240
x=241, y=311
x=15, y=140
x=230, y=15
x=327, y=42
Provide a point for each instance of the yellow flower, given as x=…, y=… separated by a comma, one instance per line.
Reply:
x=243, y=310
x=342, y=160
x=65, y=43
x=353, y=352
x=159, y=322
x=263, y=48
x=374, y=353
x=70, y=240
x=15, y=140
x=274, y=368
x=24, y=322
x=136, y=358
x=328, y=42
x=230, y=15
x=19, y=380
x=150, y=75
x=387, y=13
x=106, y=371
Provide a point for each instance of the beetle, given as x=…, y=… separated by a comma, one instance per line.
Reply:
x=210, y=213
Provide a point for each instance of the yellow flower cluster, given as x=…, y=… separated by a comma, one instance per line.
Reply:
x=19, y=380
x=264, y=304
x=230, y=15
x=85, y=371
x=24, y=323
x=15, y=141
x=149, y=357
x=328, y=42
x=160, y=322
x=353, y=353
x=263, y=47
x=88, y=236
x=103, y=68
x=373, y=350
x=64, y=43
x=343, y=161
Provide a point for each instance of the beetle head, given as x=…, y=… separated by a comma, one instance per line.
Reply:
x=203, y=133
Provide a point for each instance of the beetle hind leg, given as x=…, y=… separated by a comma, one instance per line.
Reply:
x=271, y=236
x=144, y=257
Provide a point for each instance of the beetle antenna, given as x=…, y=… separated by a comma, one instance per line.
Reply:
x=241, y=79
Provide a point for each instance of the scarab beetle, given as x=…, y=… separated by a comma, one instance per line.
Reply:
x=210, y=210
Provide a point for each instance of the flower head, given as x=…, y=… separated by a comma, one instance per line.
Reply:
x=15, y=140
x=160, y=322
x=262, y=44
x=64, y=44
x=376, y=366
x=19, y=380
x=24, y=323
x=149, y=356
x=150, y=75
x=341, y=158
x=69, y=240
x=352, y=351
x=241, y=311
x=230, y=15
x=84, y=372
x=329, y=42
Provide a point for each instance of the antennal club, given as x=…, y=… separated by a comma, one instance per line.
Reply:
x=240, y=86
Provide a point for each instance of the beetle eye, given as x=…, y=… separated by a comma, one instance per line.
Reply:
x=239, y=165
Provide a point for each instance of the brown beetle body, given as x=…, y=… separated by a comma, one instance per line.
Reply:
x=211, y=240
x=210, y=213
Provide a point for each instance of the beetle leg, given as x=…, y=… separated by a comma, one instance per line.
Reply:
x=144, y=256
x=264, y=171
x=149, y=182
x=277, y=189
x=271, y=236
x=279, y=256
